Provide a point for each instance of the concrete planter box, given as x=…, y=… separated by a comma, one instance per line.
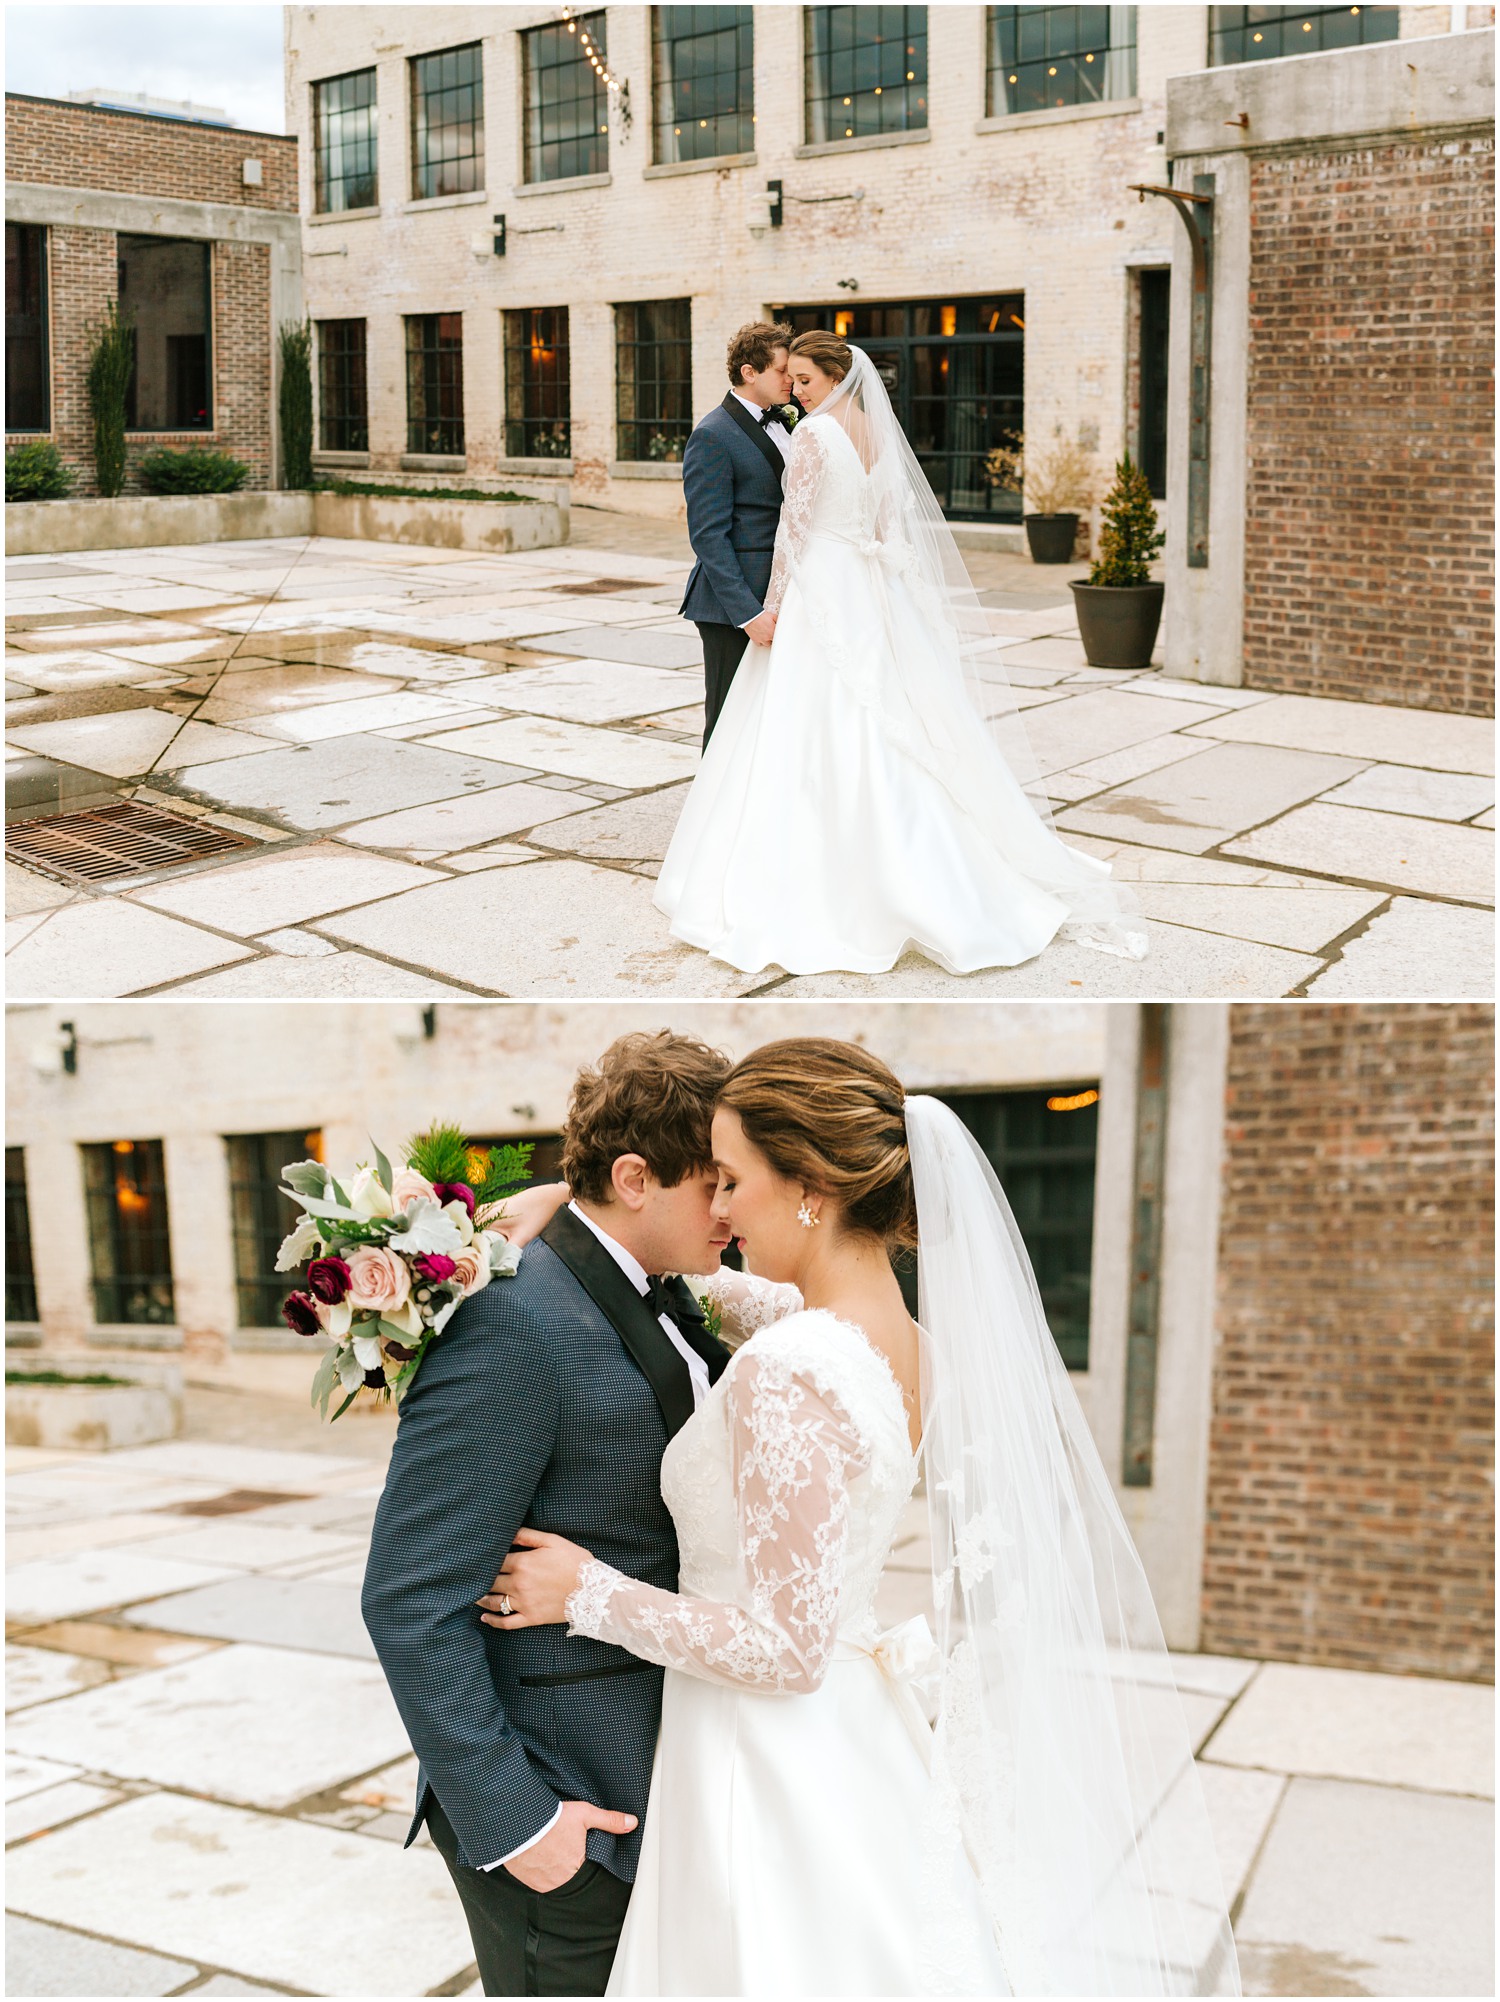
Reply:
x=150, y=521
x=144, y=1406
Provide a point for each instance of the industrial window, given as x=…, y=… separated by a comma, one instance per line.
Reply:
x=654, y=378
x=435, y=383
x=262, y=1216
x=703, y=68
x=20, y=1268
x=26, y=365
x=537, y=408
x=866, y=71
x=343, y=396
x=130, y=1251
x=164, y=292
x=447, y=122
x=1046, y=58
x=344, y=143
x=567, y=101
x=1256, y=34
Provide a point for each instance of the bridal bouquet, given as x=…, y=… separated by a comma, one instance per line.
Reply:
x=390, y=1256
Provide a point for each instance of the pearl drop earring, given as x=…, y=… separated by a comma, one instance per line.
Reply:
x=806, y=1218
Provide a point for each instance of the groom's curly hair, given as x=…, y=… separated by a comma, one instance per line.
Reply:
x=755, y=345
x=652, y=1095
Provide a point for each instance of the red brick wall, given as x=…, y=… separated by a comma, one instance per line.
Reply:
x=79, y=146
x=1369, y=491
x=1350, y=1503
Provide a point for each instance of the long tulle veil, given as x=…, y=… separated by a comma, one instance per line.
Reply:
x=1062, y=1759
x=914, y=542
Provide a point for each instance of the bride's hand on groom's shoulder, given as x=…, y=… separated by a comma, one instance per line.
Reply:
x=527, y=1215
x=535, y=1582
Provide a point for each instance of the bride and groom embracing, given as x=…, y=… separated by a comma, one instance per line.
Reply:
x=866, y=784
x=624, y=1573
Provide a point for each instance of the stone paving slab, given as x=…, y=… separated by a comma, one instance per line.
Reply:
x=102, y=949
x=1195, y=803
x=585, y=691
x=52, y=1807
x=125, y=1647
x=1418, y=951
x=37, y=1675
x=281, y=888
x=139, y=740
x=1409, y=789
x=265, y=1468
x=1066, y=734
x=1425, y=737
x=313, y=1614
x=53, y=1960
x=1361, y=846
x=344, y=779
x=317, y=1911
x=202, y=1724
x=342, y=976
x=244, y=1543
x=1395, y=1730
x=1369, y=1890
x=1302, y=919
x=467, y=822
x=25, y=1776
x=628, y=830
x=90, y=1581
x=575, y=750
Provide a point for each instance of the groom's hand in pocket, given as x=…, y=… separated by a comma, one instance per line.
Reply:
x=547, y=1865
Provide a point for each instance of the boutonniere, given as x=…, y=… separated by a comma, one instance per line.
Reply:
x=790, y=414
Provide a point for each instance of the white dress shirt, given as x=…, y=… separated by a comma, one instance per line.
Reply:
x=780, y=437
x=635, y=1272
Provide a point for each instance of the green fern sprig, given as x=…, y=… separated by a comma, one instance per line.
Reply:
x=442, y=1154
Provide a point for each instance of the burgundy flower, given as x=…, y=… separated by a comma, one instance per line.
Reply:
x=300, y=1315
x=374, y=1379
x=328, y=1280
x=401, y=1354
x=451, y=1192
x=434, y=1265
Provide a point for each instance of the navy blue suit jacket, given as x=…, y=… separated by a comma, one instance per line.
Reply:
x=547, y=1400
x=732, y=482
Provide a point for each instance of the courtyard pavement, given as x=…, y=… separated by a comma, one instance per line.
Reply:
x=460, y=772
x=207, y=1785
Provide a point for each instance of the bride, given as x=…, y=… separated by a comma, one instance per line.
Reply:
x=868, y=786
x=809, y=1831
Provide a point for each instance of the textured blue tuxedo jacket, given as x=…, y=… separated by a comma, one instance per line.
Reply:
x=732, y=483
x=548, y=1400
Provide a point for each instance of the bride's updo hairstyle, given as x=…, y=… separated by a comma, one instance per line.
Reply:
x=835, y=357
x=831, y=1116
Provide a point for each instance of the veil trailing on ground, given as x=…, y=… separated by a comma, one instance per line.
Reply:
x=953, y=662
x=1062, y=1760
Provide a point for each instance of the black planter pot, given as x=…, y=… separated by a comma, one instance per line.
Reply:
x=1118, y=622
x=1049, y=537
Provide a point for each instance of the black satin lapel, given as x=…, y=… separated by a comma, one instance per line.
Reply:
x=756, y=431
x=691, y=1320
x=627, y=1313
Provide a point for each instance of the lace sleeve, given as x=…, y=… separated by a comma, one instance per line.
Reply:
x=804, y=475
x=746, y=1304
x=795, y=1451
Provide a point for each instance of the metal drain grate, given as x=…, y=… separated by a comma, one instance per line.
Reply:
x=601, y=585
x=107, y=842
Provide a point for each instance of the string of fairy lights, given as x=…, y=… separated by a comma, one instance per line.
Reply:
x=600, y=67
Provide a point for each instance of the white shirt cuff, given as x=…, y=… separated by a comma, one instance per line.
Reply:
x=530, y=1843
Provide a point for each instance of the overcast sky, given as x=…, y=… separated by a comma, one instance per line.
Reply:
x=229, y=57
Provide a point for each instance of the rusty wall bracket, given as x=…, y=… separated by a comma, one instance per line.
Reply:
x=1197, y=211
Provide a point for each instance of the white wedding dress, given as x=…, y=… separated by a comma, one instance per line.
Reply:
x=783, y=1850
x=858, y=796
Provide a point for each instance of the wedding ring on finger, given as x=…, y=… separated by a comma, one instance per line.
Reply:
x=506, y=1608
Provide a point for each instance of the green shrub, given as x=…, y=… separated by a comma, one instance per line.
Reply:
x=111, y=365
x=296, y=404
x=194, y=471
x=1129, y=538
x=37, y=472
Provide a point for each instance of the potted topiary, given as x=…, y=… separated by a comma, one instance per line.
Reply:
x=1119, y=608
x=1058, y=479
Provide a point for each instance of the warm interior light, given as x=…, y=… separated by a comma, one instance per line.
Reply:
x=911, y=76
x=1256, y=38
x=124, y=1146
x=1052, y=72
x=1012, y=79
x=948, y=316
x=1017, y=321
x=1088, y=59
x=1074, y=1104
x=843, y=323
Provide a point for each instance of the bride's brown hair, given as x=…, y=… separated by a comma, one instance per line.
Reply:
x=831, y=1116
x=827, y=352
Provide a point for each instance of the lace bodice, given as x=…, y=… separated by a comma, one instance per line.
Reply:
x=745, y=1304
x=827, y=492
x=786, y=1489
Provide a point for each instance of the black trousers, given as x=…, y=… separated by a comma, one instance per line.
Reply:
x=723, y=649
x=558, y=1942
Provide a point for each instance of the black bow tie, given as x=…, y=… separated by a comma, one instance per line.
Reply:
x=775, y=415
x=659, y=1297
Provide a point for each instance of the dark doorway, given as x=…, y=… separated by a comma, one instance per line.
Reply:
x=1156, y=318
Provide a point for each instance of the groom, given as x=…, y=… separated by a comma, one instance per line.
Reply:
x=549, y=1400
x=731, y=479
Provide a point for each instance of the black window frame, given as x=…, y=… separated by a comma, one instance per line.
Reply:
x=428, y=352
x=538, y=383
x=558, y=78
x=132, y=308
x=654, y=366
x=844, y=49
x=455, y=172
x=343, y=386
x=128, y=1291
x=1265, y=34
x=689, y=118
x=1057, y=58
x=20, y=1260
x=260, y=1216
x=357, y=154
x=27, y=325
